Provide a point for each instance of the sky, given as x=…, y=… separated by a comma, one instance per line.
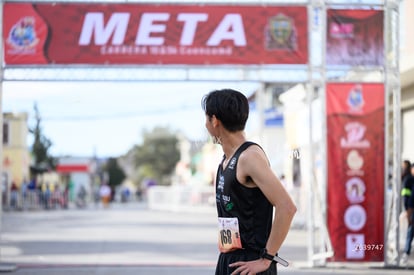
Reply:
x=106, y=119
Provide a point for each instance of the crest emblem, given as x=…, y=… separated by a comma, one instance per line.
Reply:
x=281, y=33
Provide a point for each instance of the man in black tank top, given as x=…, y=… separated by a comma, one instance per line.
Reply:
x=246, y=192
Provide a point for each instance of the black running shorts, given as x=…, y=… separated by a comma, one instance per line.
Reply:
x=240, y=255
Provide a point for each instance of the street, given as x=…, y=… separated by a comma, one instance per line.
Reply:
x=130, y=239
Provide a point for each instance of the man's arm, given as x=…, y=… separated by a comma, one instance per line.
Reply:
x=254, y=164
x=410, y=212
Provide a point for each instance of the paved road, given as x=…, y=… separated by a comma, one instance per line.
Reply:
x=129, y=239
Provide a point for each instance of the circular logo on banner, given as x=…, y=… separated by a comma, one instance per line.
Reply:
x=354, y=160
x=356, y=99
x=355, y=190
x=355, y=217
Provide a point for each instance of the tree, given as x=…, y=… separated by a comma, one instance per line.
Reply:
x=41, y=145
x=158, y=155
x=115, y=173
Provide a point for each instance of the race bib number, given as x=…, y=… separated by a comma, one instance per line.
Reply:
x=229, y=235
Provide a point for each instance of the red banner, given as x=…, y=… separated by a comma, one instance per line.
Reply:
x=355, y=37
x=79, y=33
x=355, y=195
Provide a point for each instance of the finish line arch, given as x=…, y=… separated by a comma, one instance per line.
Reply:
x=224, y=56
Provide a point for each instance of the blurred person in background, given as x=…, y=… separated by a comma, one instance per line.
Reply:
x=46, y=195
x=105, y=194
x=246, y=191
x=407, y=182
x=81, y=197
x=408, y=196
x=32, y=190
x=65, y=197
x=125, y=193
x=96, y=196
x=14, y=195
x=23, y=193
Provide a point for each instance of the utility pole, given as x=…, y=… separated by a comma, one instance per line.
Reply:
x=3, y=266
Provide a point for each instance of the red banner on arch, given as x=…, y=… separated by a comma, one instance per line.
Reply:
x=355, y=37
x=355, y=195
x=102, y=34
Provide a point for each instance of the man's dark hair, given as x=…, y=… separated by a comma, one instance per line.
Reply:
x=229, y=106
x=406, y=169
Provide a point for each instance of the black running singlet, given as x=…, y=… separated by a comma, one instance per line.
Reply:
x=248, y=206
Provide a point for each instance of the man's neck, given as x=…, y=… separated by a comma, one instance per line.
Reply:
x=231, y=142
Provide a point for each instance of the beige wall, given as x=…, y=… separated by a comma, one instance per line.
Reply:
x=407, y=42
x=407, y=34
x=16, y=158
x=407, y=123
x=407, y=135
x=407, y=79
x=407, y=97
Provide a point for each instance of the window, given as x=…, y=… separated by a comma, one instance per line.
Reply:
x=6, y=133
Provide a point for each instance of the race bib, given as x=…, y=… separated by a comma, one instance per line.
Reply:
x=229, y=235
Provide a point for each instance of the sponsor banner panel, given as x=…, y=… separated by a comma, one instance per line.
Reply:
x=355, y=195
x=104, y=34
x=355, y=37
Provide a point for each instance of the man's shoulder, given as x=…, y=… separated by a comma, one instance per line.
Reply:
x=252, y=149
x=253, y=154
x=253, y=145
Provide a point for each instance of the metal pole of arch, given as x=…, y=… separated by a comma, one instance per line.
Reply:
x=3, y=266
x=393, y=128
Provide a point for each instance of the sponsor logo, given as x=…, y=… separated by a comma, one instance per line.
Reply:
x=22, y=36
x=355, y=132
x=341, y=30
x=355, y=162
x=353, y=241
x=220, y=185
x=232, y=163
x=229, y=206
x=355, y=217
x=355, y=99
x=355, y=190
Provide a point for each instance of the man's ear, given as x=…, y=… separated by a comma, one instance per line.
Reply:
x=214, y=121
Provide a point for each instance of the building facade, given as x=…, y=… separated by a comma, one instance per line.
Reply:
x=16, y=155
